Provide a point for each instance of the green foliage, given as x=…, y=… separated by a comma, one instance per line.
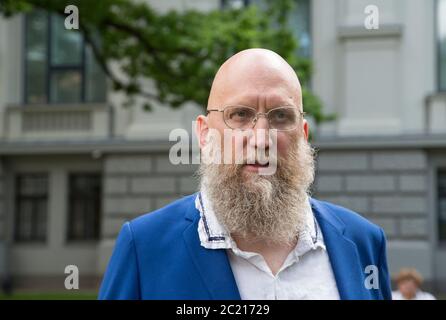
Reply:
x=178, y=52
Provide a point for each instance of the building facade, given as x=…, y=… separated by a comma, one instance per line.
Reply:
x=75, y=164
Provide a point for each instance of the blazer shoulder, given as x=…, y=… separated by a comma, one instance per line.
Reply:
x=355, y=224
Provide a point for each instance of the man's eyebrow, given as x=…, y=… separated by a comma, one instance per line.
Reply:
x=252, y=100
x=254, y=105
x=272, y=106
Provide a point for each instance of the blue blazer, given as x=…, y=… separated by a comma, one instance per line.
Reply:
x=159, y=256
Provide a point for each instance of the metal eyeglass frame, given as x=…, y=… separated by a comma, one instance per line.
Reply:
x=254, y=121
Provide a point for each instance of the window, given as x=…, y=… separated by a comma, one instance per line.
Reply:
x=59, y=67
x=442, y=205
x=234, y=4
x=299, y=21
x=300, y=24
x=441, y=36
x=84, y=206
x=31, y=207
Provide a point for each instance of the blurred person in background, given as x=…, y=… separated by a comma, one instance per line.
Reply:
x=409, y=282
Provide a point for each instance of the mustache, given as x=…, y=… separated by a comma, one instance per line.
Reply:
x=260, y=158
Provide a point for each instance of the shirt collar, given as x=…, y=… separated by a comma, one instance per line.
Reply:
x=213, y=235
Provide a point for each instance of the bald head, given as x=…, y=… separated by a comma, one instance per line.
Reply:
x=255, y=77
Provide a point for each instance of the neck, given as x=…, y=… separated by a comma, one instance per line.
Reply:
x=274, y=254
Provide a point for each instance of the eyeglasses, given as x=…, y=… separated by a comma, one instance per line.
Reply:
x=241, y=117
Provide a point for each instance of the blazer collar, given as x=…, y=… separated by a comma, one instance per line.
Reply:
x=212, y=265
x=343, y=254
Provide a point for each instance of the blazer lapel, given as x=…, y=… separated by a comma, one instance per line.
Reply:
x=212, y=264
x=343, y=254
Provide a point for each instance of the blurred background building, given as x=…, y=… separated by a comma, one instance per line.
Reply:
x=75, y=164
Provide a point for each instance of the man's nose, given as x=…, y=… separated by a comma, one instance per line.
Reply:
x=261, y=122
x=260, y=139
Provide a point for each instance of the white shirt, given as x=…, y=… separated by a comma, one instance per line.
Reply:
x=420, y=295
x=305, y=274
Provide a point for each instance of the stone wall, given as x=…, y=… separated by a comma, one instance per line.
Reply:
x=135, y=184
x=387, y=187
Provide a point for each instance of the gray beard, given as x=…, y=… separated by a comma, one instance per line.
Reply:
x=258, y=207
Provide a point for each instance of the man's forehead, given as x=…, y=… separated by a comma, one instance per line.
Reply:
x=256, y=94
x=267, y=99
x=255, y=75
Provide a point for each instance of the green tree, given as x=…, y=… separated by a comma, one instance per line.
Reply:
x=179, y=51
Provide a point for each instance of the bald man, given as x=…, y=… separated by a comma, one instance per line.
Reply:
x=252, y=231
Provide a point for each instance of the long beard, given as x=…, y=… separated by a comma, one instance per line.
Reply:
x=260, y=207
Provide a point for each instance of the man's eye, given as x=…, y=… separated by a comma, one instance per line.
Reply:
x=239, y=114
x=280, y=115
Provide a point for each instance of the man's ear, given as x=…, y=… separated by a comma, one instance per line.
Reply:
x=306, y=128
x=202, y=129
